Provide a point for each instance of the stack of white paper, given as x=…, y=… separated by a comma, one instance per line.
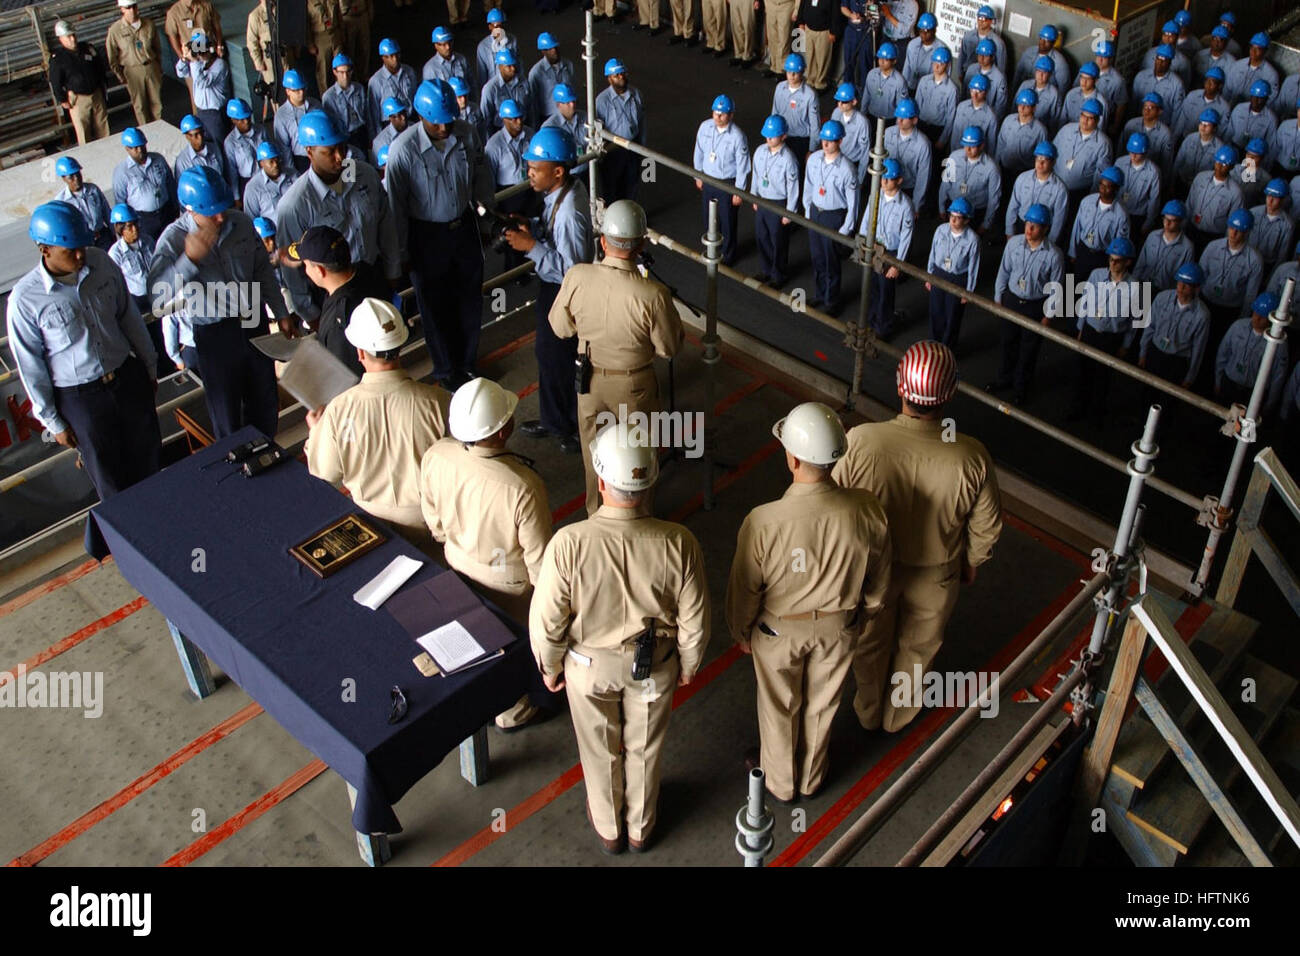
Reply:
x=383, y=585
x=451, y=646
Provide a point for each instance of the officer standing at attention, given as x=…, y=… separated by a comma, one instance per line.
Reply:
x=555, y=242
x=435, y=175
x=393, y=78
x=776, y=177
x=216, y=246
x=622, y=320
x=940, y=494
x=144, y=182
x=620, y=615
x=796, y=103
x=1018, y=137
x=894, y=225
x=73, y=327
x=1142, y=185
x=77, y=74
x=1107, y=323
x=830, y=198
x=620, y=109
x=488, y=508
x=722, y=152
x=954, y=257
x=288, y=115
x=134, y=52
x=1082, y=152
x=272, y=180
x=372, y=438
x=800, y=617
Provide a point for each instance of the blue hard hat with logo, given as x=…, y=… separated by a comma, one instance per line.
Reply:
x=381, y=155
x=1261, y=88
x=563, y=93
x=1191, y=273
x=1226, y=155
x=1045, y=148
x=66, y=166
x=1260, y=39
x=1182, y=19
x=317, y=128
x=1046, y=64
x=1105, y=48
x=906, y=109
x=1138, y=143
x=941, y=54
x=392, y=106
x=435, y=102
x=845, y=93
x=458, y=85
x=774, y=126
x=546, y=41
x=887, y=51
x=1121, y=246
x=292, y=80
x=893, y=169
x=1089, y=69
x=1221, y=32
x=122, y=213
x=1174, y=207
x=190, y=123
x=986, y=47
x=505, y=57
x=1164, y=52
x=985, y=13
x=132, y=137
x=794, y=63
x=1265, y=303
x=59, y=223
x=238, y=109
x=979, y=82
x=1156, y=98
x=389, y=47
x=1026, y=97
x=442, y=35
x=1091, y=105
x=1276, y=187
x=972, y=136
x=1038, y=214
x=832, y=130
x=1257, y=146
x=550, y=144
x=267, y=150
x=1114, y=174
x=496, y=15
x=1242, y=219
x=722, y=104
x=926, y=21
x=509, y=109
x=1209, y=116
x=340, y=59
x=1048, y=33
x=265, y=227
x=203, y=190
x=614, y=65
x=961, y=206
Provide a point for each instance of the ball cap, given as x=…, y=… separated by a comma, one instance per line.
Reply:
x=376, y=326
x=927, y=374
x=323, y=244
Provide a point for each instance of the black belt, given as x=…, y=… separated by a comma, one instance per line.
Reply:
x=1024, y=302
x=448, y=224
x=107, y=381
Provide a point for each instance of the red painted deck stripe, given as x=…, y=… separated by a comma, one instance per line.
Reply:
x=739, y=395
x=508, y=348
x=726, y=480
x=527, y=390
x=137, y=786
x=569, y=507
x=72, y=640
x=48, y=587
x=265, y=802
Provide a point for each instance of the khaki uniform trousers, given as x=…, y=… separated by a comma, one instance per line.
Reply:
x=620, y=724
x=648, y=13
x=515, y=605
x=494, y=4
x=88, y=115
x=637, y=391
x=779, y=28
x=907, y=633
x=356, y=43
x=683, y=17
x=715, y=23
x=603, y=8
x=800, y=673
x=744, y=35
x=458, y=10
x=326, y=44
x=818, y=45
x=144, y=86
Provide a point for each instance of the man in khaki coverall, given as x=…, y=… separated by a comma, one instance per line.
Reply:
x=488, y=507
x=940, y=492
x=357, y=17
x=604, y=582
x=326, y=21
x=626, y=319
x=714, y=14
x=257, y=39
x=744, y=32
x=372, y=438
x=134, y=53
x=810, y=569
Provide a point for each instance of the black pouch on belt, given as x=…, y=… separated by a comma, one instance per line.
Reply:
x=645, y=651
x=582, y=369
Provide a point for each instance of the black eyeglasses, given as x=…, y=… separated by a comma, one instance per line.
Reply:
x=399, y=705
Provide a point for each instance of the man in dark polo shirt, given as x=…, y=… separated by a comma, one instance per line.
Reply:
x=323, y=252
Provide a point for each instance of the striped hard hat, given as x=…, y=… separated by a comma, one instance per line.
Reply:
x=927, y=374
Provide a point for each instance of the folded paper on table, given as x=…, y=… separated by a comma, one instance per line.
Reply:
x=382, y=586
x=314, y=375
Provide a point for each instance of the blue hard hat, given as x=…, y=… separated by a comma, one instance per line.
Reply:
x=1045, y=148
x=505, y=57
x=893, y=169
x=435, y=102
x=132, y=137
x=1182, y=19
x=266, y=150
x=392, y=106
x=1242, y=219
x=722, y=104
x=190, y=123
x=906, y=109
x=845, y=93
x=1138, y=143
x=1048, y=33
x=458, y=85
x=1038, y=214
x=238, y=109
x=496, y=15
x=546, y=41
x=1228, y=17
x=1164, y=52
x=1174, y=207
x=961, y=206
x=887, y=51
x=1090, y=69
x=1156, y=98
x=1026, y=97
x=442, y=35
x=340, y=59
x=1169, y=27
x=1216, y=73
x=1257, y=146
x=1121, y=246
x=389, y=47
x=122, y=213
x=985, y=13
x=550, y=144
x=317, y=128
x=1209, y=116
x=1046, y=64
x=61, y=224
x=1226, y=155
x=1261, y=88
x=1091, y=105
x=926, y=21
x=940, y=54
x=614, y=65
x=1105, y=48
x=292, y=80
x=265, y=227
x=986, y=48
x=1265, y=303
x=381, y=155
x=509, y=109
x=972, y=136
x=66, y=166
x=794, y=63
x=774, y=126
x=1191, y=273
x=1260, y=39
x=979, y=82
x=203, y=190
x=563, y=93
x=831, y=129
x=1221, y=32
x=1114, y=174
x=1276, y=187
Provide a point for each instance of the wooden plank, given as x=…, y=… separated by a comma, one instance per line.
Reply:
x=1286, y=485
x=1142, y=849
x=1276, y=566
x=1097, y=758
x=1244, y=750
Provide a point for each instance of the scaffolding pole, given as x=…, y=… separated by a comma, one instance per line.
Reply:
x=857, y=336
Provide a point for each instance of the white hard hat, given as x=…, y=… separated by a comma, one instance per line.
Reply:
x=812, y=433
x=62, y=28
x=624, y=220
x=479, y=409
x=623, y=463
x=126, y=3
x=376, y=326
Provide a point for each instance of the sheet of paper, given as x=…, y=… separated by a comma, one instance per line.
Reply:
x=277, y=346
x=1019, y=24
x=451, y=646
x=314, y=375
x=381, y=587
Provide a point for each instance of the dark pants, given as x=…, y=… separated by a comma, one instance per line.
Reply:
x=1234, y=393
x=933, y=133
x=361, y=139
x=1200, y=238
x=447, y=274
x=773, y=246
x=215, y=125
x=116, y=427
x=727, y=220
x=1092, y=386
x=238, y=380
x=1172, y=368
x=152, y=223
x=190, y=356
x=880, y=310
x=799, y=146
x=1087, y=260
x=556, y=357
x=521, y=203
x=826, y=254
x=857, y=55
x=300, y=163
x=619, y=174
x=1020, y=346
x=946, y=311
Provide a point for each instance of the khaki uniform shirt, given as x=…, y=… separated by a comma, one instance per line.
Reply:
x=627, y=318
x=490, y=509
x=941, y=497
x=257, y=38
x=125, y=46
x=357, y=9
x=325, y=18
x=818, y=547
x=601, y=577
x=184, y=17
x=372, y=438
